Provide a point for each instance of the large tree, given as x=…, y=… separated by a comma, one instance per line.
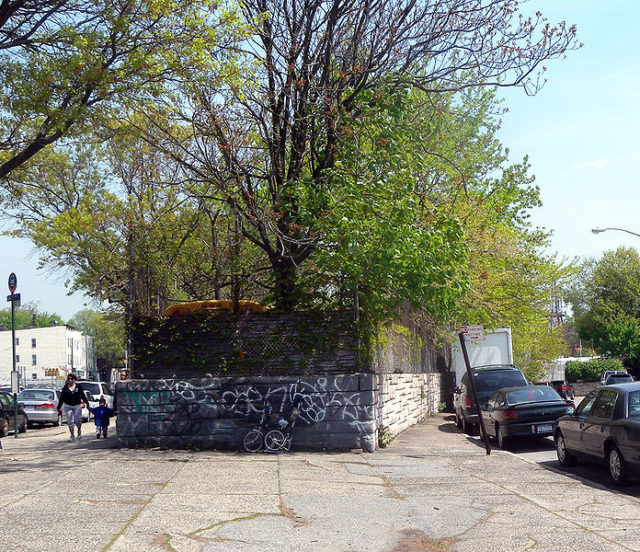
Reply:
x=65, y=63
x=267, y=145
x=605, y=298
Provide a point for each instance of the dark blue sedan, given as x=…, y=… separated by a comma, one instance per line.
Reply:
x=605, y=428
x=523, y=412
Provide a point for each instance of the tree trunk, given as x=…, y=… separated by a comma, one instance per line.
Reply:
x=285, y=284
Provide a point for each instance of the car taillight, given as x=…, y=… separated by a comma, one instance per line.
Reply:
x=511, y=414
x=47, y=406
x=467, y=402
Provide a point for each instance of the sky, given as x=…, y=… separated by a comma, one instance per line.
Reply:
x=580, y=133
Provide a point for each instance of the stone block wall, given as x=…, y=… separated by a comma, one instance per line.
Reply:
x=284, y=359
x=337, y=412
x=406, y=399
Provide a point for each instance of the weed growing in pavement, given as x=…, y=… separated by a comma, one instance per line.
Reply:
x=384, y=437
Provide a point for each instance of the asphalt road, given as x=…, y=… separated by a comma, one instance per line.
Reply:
x=543, y=453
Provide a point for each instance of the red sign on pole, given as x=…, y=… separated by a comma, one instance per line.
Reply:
x=13, y=282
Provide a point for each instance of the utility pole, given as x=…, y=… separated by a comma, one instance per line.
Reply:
x=14, y=299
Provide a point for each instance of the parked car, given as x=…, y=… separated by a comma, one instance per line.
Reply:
x=7, y=415
x=520, y=412
x=605, y=428
x=97, y=389
x=613, y=379
x=606, y=373
x=488, y=379
x=563, y=389
x=41, y=404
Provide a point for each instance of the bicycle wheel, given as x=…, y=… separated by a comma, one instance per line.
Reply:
x=253, y=441
x=274, y=440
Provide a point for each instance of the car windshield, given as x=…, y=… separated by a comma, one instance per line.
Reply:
x=634, y=403
x=92, y=388
x=491, y=381
x=36, y=395
x=532, y=394
x=622, y=378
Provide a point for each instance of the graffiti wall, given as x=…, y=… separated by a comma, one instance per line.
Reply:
x=336, y=412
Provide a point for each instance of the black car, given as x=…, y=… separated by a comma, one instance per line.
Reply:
x=7, y=414
x=520, y=412
x=605, y=428
x=488, y=379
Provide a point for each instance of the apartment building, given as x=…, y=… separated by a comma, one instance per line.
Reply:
x=47, y=353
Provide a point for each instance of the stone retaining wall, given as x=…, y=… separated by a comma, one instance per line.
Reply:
x=337, y=412
x=582, y=389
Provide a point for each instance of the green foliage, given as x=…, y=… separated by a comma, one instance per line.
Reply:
x=221, y=343
x=80, y=63
x=605, y=297
x=590, y=370
x=28, y=316
x=107, y=330
x=535, y=345
x=384, y=437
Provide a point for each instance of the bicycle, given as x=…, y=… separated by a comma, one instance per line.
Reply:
x=278, y=440
x=254, y=439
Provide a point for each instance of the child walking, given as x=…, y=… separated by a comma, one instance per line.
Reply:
x=102, y=413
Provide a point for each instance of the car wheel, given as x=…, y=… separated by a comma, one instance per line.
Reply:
x=4, y=428
x=565, y=458
x=503, y=441
x=617, y=466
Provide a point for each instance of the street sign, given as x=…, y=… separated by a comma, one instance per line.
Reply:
x=14, y=298
x=472, y=333
x=13, y=282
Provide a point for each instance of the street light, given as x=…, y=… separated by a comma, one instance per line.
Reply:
x=600, y=230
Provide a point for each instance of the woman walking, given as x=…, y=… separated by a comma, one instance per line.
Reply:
x=70, y=403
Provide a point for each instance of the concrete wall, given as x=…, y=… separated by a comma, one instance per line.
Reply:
x=406, y=399
x=340, y=411
x=337, y=412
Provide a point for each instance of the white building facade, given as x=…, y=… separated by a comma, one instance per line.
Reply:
x=47, y=353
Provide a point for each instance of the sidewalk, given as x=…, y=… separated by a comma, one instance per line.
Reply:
x=432, y=489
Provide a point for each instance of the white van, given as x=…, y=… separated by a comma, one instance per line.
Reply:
x=97, y=389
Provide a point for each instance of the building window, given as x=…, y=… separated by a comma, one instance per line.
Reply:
x=34, y=360
x=17, y=341
x=33, y=342
x=17, y=358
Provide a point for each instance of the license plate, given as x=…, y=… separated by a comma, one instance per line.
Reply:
x=30, y=407
x=543, y=428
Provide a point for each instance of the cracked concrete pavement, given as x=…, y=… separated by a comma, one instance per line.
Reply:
x=432, y=489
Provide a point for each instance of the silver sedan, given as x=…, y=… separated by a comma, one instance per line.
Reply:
x=41, y=405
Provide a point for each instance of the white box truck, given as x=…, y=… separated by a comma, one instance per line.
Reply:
x=494, y=347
